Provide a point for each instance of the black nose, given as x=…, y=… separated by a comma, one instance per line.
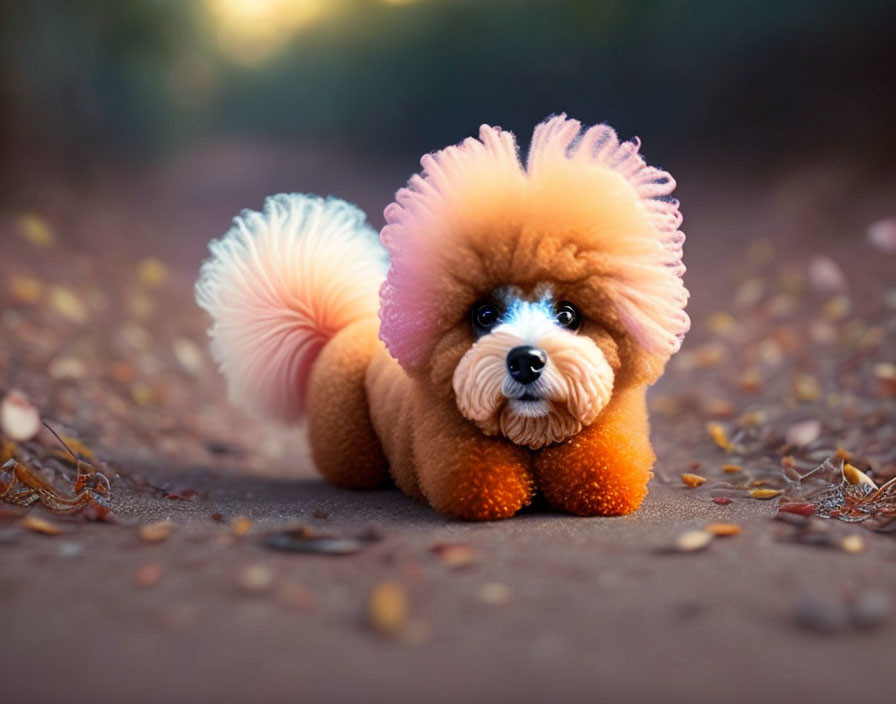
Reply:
x=525, y=363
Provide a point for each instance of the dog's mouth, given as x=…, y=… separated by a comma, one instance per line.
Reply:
x=529, y=405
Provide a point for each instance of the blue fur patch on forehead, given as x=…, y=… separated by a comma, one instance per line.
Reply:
x=516, y=308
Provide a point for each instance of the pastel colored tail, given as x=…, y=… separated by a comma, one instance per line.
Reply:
x=278, y=286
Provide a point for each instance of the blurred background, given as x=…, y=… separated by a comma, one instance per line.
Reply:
x=741, y=84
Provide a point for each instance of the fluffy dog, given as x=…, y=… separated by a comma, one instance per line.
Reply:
x=496, y=342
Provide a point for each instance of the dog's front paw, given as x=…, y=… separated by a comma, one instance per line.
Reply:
x=602, y=471
x=486, y=486
x=466, y=474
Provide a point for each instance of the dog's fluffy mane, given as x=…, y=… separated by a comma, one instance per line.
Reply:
x=585, y=210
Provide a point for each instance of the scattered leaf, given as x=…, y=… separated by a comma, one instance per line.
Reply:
x=26, y=289
x=19, y=419
x=67, y=368
x=387, y=608
x=40, y=525
x=296, y=596
x=857, y=477
x=692, y=480
x=7, y=450
x=68, y=305
x=806, y=388
x=721, y=500
x=240, y=526
x=723, y=324
x=837, y=308
x=188, y=355
x=156, y=532
x=882, y=234
x=152, y=271
x=798, y=508
x=825, y=275
x=256, y=578
x=455, y=556
x=723, y=529
x=148, y=575
x=693, y=541
x=720, y=436
x=731, y=468
x=36, y=230
x=853, y=543
x=495, y=593
x=803, y=433
x=765, y=493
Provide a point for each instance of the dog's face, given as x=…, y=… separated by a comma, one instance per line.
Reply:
x=528, y=292
x=537, y=371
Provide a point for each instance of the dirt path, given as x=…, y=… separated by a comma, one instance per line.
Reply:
x=788, y=357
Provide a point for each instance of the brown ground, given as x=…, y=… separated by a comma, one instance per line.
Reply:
x=587, y=608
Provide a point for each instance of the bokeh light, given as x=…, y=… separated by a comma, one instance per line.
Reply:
x=251, y=31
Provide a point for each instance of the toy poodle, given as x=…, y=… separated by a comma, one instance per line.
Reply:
x=495, y=342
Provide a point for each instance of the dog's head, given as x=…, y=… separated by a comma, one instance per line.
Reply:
x=531, y=293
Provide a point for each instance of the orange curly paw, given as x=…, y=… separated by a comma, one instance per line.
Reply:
x=486, y=487
x=604, y=470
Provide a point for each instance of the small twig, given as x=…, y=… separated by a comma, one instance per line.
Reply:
x=61, y=441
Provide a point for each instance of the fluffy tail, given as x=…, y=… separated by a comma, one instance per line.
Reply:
x=278, y=286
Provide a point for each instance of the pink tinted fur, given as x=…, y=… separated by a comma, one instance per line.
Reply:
x=278, y=285
x=649, y=292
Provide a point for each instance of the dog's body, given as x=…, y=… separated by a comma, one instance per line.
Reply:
x=524, y=313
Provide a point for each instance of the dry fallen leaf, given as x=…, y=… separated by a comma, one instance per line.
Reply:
x=19, y=420
x=693, y=540
x=692, y=480
x=256, y=578
x=806, y=388
x=296, y=596
x=764, y=493
x=188, y=355
x=67, y=368
x=855, y=476
x=387, y=608
x=803, y=433
x=40, y=525
x=241, y=526
x=825, y=275
x=26, y=289
x=455, y=556
x=152, y=271
x=68, y=305
x=837, y=308
x=723, y=529
x=148, y=575
x=7, y=450
x=731, y=468
x=36, y=230
x=882, y=234
x=723, y=324
x=853, y=544
x=495, y=593
x=720, y=437
x=156, y=532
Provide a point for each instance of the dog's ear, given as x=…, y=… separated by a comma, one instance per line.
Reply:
x=586, y=206
x=644, y=264
x=460, y=187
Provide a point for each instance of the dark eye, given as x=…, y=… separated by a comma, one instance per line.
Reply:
x=484, y=317
x=567, y=315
